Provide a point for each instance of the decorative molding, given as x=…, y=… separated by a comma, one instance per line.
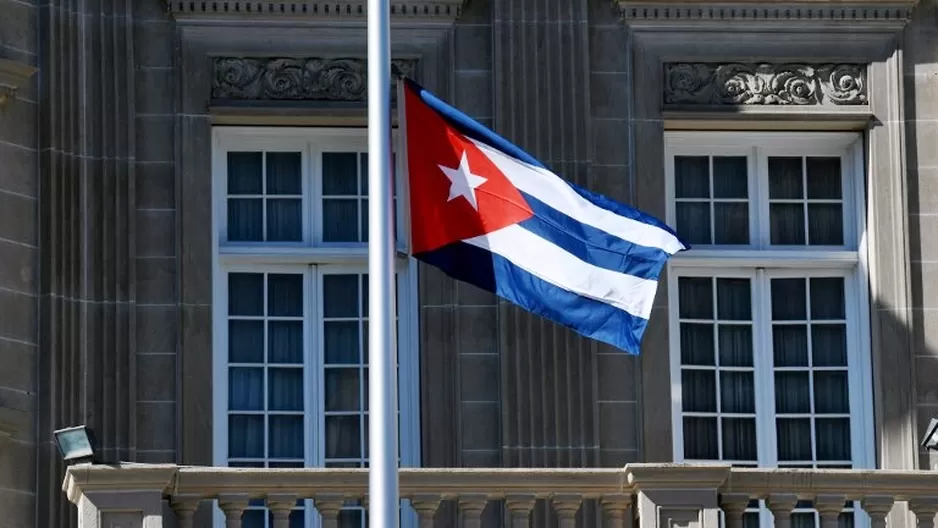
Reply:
x=885, y=12
x=292, y=79
x=445, y=9
x=12, y=76
x=698, y=83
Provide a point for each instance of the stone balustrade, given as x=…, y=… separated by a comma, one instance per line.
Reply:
x=637, y=496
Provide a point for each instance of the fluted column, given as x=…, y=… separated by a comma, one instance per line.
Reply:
x=87, y=212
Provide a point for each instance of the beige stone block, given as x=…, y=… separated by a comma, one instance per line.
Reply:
x=19, y=367
x=473, y=47
x=18, y=316
x=609, y=96
x=155, y=91
x=155, y=138
x=156, y=426
x=18, y=26
x=474, y=93
x=18, y=221
x=155, y=186
x=19, y=508
x=923, y=190
x=18, y=267
x=477, y=329
x=19, y=168
x=469, y=295
x=608, y=44
x=480, y=459
x=154, y=43
x=925, y=276
x=618, y=425
x=617, y=458
x=617, y=376
x=17, y=466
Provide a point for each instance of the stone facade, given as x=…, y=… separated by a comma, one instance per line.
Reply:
x=105, y=192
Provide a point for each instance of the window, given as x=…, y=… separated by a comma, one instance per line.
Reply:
x=768, y=319
x=291, y=306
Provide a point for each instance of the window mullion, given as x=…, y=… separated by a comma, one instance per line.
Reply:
x=766, y=434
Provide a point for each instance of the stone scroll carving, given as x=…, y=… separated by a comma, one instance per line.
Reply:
x=764, y=84
x=295, y=79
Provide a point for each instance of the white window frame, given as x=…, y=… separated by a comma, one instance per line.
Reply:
x=312, y=258
x=759, y=262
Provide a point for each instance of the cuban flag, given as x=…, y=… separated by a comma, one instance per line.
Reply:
x=485, y=212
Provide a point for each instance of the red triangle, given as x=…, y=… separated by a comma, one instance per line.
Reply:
x=437, y=221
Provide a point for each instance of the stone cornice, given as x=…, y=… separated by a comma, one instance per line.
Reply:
x=340, y=80
x=432, y=10
x=727, y=13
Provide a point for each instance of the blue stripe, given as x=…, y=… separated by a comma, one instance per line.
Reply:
x=469, y=126
x=623, y=210
x=593, y=245
x=587, y=317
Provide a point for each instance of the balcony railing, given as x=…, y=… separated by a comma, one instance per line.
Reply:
x=637, y=496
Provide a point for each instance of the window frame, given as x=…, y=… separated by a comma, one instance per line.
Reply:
x=761, y=263
x=312, y=259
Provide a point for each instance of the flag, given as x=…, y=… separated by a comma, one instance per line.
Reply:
x=485, y=212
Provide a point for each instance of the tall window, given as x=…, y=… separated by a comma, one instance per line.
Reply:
x=768, y=319
x=291, y=307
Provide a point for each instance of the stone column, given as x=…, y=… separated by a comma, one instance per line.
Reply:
x=675, y=495
x=87, y=371
x=128, y=497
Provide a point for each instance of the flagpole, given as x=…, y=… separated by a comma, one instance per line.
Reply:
x=383, y=495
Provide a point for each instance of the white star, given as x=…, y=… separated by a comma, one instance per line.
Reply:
x=463, y=182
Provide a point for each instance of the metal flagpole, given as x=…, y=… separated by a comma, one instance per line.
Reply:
x=383, y=496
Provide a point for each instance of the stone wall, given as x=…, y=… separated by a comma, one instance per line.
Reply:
x=19, y=275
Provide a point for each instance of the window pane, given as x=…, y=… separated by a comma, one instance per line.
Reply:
x=734, y=301
x=286, y=436
x=284, y=173
x=827, y=298
x=340, y=220
x=692, y=176
x=730, y=177
x=700, y=438
x=363, y=212
x=698, y=388
x=285, y=295
x=786, y=224
x=830, y=393
x=693, y=222
x=788, y=300
x=739, y=439
x=341, y=342
x=695, y=297
x=829, y=345
x=696, y=344
x=735, y=345
x=285, y=341
x=244, y=173
x=737, y=392
x=343, y=437
x=253, y=519
x=792, y=392
x=790, y=345
x=343, y=392
x=730, y=223
x=245, y=389
x=339, y=174
x=793, y=438
x=340, y=295
x=824, y=180
x=245, y=220
x=285, y=220
x=245, y=341
x=245, y=436
x=285, y=389
x=785, y=178
x=825, y=224
x=833, y=438
x=246, y=294
x=363, y=171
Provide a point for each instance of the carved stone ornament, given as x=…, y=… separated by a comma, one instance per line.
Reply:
x=344, y=9
x=764, y=84
x=290, y=79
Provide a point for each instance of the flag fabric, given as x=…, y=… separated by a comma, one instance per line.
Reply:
x=485, y=212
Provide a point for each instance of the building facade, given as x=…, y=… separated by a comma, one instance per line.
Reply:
x=183, y=235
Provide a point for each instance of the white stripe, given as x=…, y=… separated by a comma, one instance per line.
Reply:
x=553, y=191
x=552, y=264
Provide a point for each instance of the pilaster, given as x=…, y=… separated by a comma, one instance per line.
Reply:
x=87, y=237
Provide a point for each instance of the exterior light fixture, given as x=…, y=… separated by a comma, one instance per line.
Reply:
x=930, y=441
x=76, y=444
